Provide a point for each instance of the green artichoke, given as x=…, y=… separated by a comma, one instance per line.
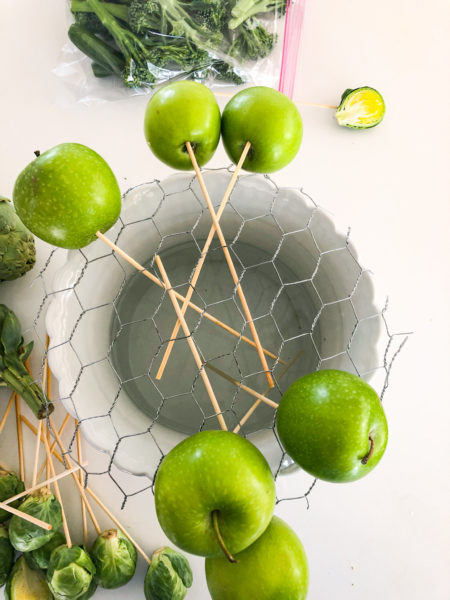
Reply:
x=10, y=485
x=168, y=577
x=43, y=505
x=71, y=573
x=17, y=251
x=13, y=372
x=6, y=555
x=114, y=558
x=25, y=584
x=40, y=558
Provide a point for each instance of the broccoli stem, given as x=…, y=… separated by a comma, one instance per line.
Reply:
x=118, y=10
x=100, y=52
x=244, y=9
x=24, y=385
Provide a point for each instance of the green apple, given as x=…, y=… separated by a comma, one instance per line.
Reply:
x=67, y=194
x=272, y=568
x=267, y=119
x=180, y=112
x=214, y=492
x=333, y=425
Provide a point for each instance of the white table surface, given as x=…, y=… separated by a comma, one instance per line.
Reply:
x=388, y=535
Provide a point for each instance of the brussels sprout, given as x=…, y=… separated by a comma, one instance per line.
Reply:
x=168, y=576
x=26, y=536
x=26, y=584
x=10, y=485
x=6, y=555
x=39, y=558
x=115, y=559
x=360, y=108
x=17, y=251
x=70, y=573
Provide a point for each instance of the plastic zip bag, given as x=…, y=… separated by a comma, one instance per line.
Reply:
x=125, y=47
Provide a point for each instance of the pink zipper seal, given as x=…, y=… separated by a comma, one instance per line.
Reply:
x=295, y=12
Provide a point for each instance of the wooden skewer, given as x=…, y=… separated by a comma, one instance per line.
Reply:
x=230, y=264
x=247, y=389
x=53, y=446
x=110, y=515
x=7, y=411
x=32, y=428
x=20, y=439
x=36, y=453
x=83, y=506
x=299, y=102
x=75, y=478
x=58, y=494
x=158, y=282
x=118, y=524
x=26, y=517
x=252, y=409
x=200, y=263
x=45, y=483
x=191, y=343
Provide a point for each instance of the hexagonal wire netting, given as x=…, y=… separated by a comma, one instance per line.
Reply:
x=311, y=301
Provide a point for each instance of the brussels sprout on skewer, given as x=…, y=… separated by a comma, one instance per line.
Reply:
x=6, y=555
x=168, y=577
x=26, y=584
x=361, y=108
x=71, y=573
x=115, y=559
x=17, y=250
x=40, y=558
x=43, y=505
x=10, y=485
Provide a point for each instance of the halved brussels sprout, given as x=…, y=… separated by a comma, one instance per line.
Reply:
x=115, y=559
x=26, y=536
x=70, y=573
x=25, y=584
x=6, y=555
x=168, y=577
x=10, y=485
x=40, y=558
x=360, y=108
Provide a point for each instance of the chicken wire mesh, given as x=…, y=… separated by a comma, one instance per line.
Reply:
x=312, y=302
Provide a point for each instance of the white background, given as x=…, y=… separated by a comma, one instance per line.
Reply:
x=386, y=536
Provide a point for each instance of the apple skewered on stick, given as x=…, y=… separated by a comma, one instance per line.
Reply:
x=192, y=345
x=201, y=261
x=182, y=124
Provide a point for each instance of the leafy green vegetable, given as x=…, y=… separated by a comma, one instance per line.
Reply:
x=25, y=584
x=168, y=577
x=10, y=485
x=13, y=373
x=114, y=558
x=17, y=250
x=71, y=573
x=6, y=555
x=40, y=558
x=43, y=505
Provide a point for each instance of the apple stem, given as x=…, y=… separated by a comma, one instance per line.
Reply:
x=37, y=153
x=215, y=522
x=365, y=460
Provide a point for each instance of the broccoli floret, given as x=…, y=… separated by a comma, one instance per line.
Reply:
x=144, y=16
x=213, y=14
x=177, y=55
x=245, y=9
x=253, y=41
x=135, y=75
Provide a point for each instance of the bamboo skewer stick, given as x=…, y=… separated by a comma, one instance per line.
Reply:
x=230, y=264
x=7, y=411
x=45, y=483
x=200, y=263
x=58, y=494
x=191, y=343
x=179, y=296
x=247, y=389
x=20, y=439
x=53, y=446
x=255, y=405
x=32, y=428
x=75, y=478
x=118, y=524
x=26, y=517
x=298, y=102
x=83, y=506
x=36, y=453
